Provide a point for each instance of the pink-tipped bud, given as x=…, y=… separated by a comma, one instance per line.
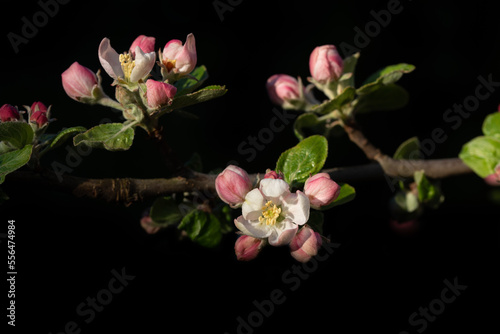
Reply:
x=147, y=44
x=270, y=174
x=9, y=113
x=305, y=244
x=39, y=117
x=78, y=81
x=494, y=179
x=38, y=106
x=159, y=93
x=282, y=88
x=178, y=58
x=321, y=190
x=325, y=64
x=247, y=248
x=148, y=225
x=232, y=185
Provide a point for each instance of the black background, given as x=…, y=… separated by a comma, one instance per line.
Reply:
x=67, y=247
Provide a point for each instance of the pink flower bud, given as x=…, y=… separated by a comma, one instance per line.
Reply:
x=148, y=225
x=270, y=174
x=38, y=106
x=494, y=179
x=159, y=93
x=321, y=190
x=9, y=113
x=147, y=44
x=232, y=185
x=325, y=64
x=78, y=81
x=305, y=244
x=181, y=59
x=39, y=117
x=281, y=88
x=247, y=248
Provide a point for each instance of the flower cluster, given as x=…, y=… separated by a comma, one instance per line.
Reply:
x=138, y=95
x=38, y=115
x=326, y=68
x=272, y=214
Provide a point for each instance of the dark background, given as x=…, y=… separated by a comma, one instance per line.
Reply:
x=67, y=247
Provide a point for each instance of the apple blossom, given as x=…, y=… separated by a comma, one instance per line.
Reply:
x=247, y=248
x=125, y=67
x=325, y=64
x=232, y=185
x=273, y=212
x=147, y=44
x=9, y=113
x=38, y=106
x=79, y=82
x=271, y=174
x=159, y=93
x=305, y=244
x=283, y=88
x=178, y=59
x=39, y=117
x=321, y=190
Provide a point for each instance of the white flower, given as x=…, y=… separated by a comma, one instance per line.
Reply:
x=125, y=66
x=272, y=211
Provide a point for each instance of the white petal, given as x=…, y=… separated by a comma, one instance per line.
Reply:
x=253, y=228
x=283, y=234
x=252, y=206
x=273, y=188
x=144, y=63
x=110, y=60
x=296, y=207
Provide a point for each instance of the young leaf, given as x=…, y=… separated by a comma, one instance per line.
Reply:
x=491, y=125
x=307, y=124
x=409, y=150
x=385, y=76
x=18, y=134
x=347, y=194
x=202, y=95
x=165, y=211
x=202, y=227
x=111, y=136
x=304, y=159
x=482, y=155
x=382, y=98
x=428, y=193
x=349, y=67
x=337, y=103
x=194, y=80
x=13, y=160
x=61, y=137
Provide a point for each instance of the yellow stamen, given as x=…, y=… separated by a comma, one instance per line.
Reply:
x=169, y=64
x=127, y=63
x=270, y=213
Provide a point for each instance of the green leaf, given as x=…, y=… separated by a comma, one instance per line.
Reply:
x=428, y=193
x=409, y=150
x=110, y=136
x=202, y=227
x=18, y=134
x=491, y=125
x=337, y=103
x=307, y=124
x=407, y=201
x=385, y=76
x=13, y=160
x=202, y=95
x=347, y=193
x=316, y=220
x=382, y=98
x=305, y=159
x=165, y=211
x=349, y=67
x=482, y=155
x=61, y=137
x=188, y=84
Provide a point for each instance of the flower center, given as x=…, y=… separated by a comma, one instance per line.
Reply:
x=270, y=213
x=127, y=63
x=169, y=64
